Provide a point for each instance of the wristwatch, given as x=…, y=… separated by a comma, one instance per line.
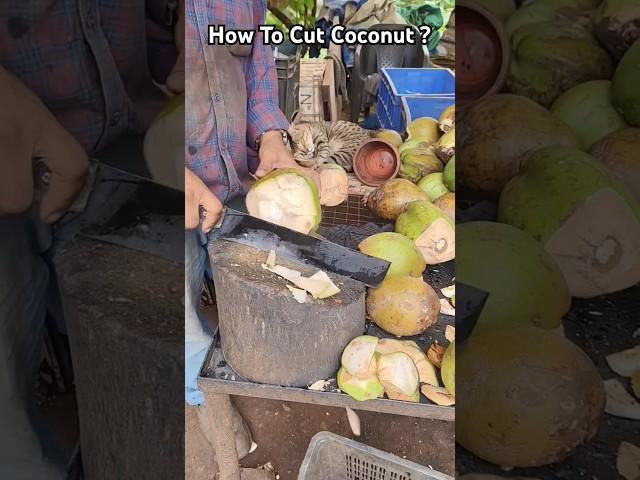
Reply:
x=285, y=138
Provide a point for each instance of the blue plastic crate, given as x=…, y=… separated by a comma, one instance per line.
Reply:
x=418, y=107
x=431, y=83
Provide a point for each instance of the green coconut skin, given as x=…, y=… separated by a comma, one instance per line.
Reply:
x=414, y=166
x=417, y=217
x=588, y=110
x=359, y=389
x=553, y=181
x=502, y=9
x=550, y=57
x=617, y=24
x=524, y=284
x=433, y=185
x=403, y=254
x=626, y=85
x=448, y=371
x=571, y=11
x=449, y=175
x=310, y=183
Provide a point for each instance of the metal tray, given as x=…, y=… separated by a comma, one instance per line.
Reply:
x=217, y=377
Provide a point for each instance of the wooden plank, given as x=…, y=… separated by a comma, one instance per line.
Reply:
x=329, y=91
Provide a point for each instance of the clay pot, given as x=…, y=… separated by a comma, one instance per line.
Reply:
x=375, y=162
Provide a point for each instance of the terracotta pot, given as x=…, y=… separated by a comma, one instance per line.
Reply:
x=482, y=52
x=375, y=162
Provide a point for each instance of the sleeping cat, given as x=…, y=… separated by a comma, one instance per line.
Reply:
x=318, y=143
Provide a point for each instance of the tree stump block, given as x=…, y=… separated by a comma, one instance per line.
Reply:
x=266, y=335
x=126, y=330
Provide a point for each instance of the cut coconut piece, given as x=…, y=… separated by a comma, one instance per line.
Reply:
x=449, y=291
x=625, y=363
x=620, y=403
x=286, y=197
x=354, y=421
x=635, y=384
x=628, y=461
x=271, y=259
x=450, y=333
x=284, y=272
x=435, y=354
x=598, y=247
x=438, y=395
x=299, y=294
x=426, y=371
x=319, y=386
x=360, y=389
x=438, y=242
x=399, y=376
x=446, y=308
x=335, y=185
x=331, y=288
x=358, y=355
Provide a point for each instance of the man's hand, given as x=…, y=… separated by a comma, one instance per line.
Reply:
x=175, y=80
x=274, y=154
x=30, y=133
x=197, y=195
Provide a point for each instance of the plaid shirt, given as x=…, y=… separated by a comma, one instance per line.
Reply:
x=219, y=145
x=90, y=61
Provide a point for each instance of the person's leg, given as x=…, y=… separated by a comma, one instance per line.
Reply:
x=24, y=277
x=197, y=333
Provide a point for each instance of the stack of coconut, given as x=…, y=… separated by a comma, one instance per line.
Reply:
x=561, y=155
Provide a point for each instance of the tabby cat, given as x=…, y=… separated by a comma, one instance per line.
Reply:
x=318, y=143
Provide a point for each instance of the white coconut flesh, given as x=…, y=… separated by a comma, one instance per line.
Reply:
x=399, y=375
x=285, y=200
x=426, y=371
x=598, y=246
x=626, y=362
x=358, y=355
x=628, y=461
x=319, y=285
x=620, y=403
x=438, y=395
x=335, y=185
x=437, y=242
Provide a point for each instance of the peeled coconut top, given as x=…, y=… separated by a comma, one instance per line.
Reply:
x=523, y=281
x=531, y=396
x=286, y=197
x=583, y=215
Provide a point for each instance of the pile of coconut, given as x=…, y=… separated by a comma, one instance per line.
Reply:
x=373, y=367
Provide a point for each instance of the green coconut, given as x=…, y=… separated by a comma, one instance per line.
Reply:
x=573, y=12
x=501, y=9
x=448, y=370
x=410, y=145
x=620, y=151
x=447, y=118
x=449, y=174
x=390, y=136
x=447, y=203
x=417, y=147
x=415, y=165
x=360, y=389
x=616, y=23
x=531, y=396
x=446, y=146
x=433, y=185
x=431, y=229
x=403, y=254
x=389, y=199
x=403, y=306
x=626, y=85
x=498, y=133
x=424, y=128
x=587, y=109
x=582, y=215
x=549, y=58
x=286, y=197
x=524, y=284
x=163, y=145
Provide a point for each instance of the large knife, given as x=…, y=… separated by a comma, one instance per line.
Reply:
x=238, y=226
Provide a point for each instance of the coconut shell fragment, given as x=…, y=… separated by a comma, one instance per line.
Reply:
x=620, y=403
x=628, y=461
x=435, y=354
x=626, y=362
x=438, y=395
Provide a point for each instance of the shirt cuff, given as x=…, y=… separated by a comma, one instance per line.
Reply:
x=261, y=118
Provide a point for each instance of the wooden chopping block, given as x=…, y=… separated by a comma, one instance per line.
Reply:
x=267, y=336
